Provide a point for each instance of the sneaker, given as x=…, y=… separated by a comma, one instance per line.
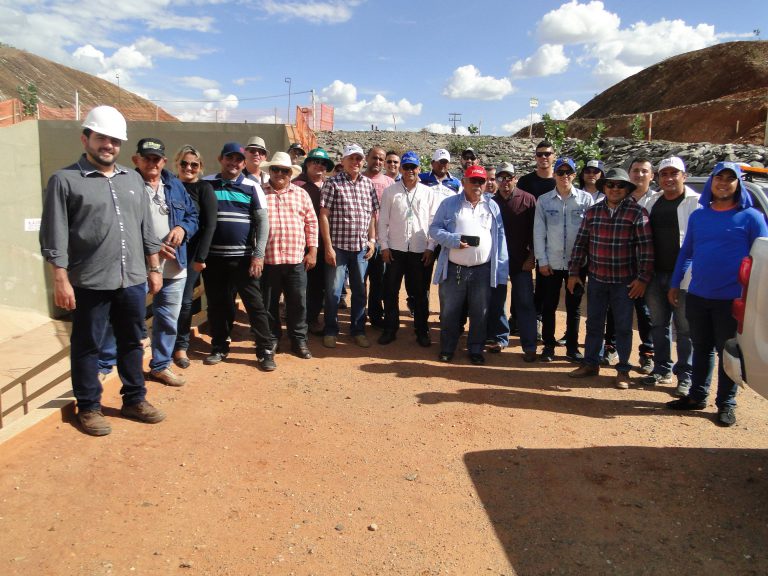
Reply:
x=547, y=354
x=387, y=337
x=687, y=403
x=622, y=380
x=143, y=412
x=445, y=357
x=654, y=379
x=477, y=359
x=267, y=361
x=575, y=356
x=584, y=371
x=683, y=387
x=362, y=341
x=726, y=416
x=167, y=377
x=329, y=341
x=529, y=357
x=93, y=422
x=609, y=356
x=214, y=358
x=560, y=342
x=646, y=365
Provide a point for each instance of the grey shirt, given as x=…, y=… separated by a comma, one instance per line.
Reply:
x=98, y=228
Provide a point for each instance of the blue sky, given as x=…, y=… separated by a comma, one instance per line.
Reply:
x=399, y=63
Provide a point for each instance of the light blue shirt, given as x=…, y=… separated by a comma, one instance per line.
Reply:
x=556, y=224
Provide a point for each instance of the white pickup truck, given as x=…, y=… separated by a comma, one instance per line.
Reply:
x=745, y=358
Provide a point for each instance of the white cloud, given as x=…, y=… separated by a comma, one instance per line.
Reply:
x=561, y=110
x=575, y=23
x=245, y=80
x=315, y=12
x=377, y=110
x=339, y=93
x=467, y=82
x=269, y=119
x=437, y=128
x=197, y=82
x=548, y=59
x=517, y=125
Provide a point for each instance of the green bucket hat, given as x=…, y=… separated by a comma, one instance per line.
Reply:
x=320, y=154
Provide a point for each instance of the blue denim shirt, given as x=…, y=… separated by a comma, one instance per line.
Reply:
x=442, y=231
x=556, y=224
x=183, y=212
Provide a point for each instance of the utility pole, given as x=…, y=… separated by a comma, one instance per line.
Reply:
x=288, y=81
x=454, y=117
x=117, y=75
x=533, y=103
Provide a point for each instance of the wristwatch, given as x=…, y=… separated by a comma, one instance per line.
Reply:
x=155, y=269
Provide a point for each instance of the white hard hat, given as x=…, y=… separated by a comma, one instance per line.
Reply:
x=108, y=121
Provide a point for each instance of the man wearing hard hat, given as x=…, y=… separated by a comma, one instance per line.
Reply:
x=96, y=233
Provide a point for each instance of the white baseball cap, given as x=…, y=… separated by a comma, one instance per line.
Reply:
x=672, y=162
x=350, y=149
x=441, y=154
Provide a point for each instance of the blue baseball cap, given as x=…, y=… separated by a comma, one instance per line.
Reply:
x=232, y=148
x=595, y=164
x=732, y=166
x=410, y=157
x=565, y=160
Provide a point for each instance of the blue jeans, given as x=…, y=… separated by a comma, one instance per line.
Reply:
x=643, y=328
x=524, y=310
x=711, y=325
x=125, y=309
x=166, y=305
x=356, y=264
x=599, y=296
x=662, y=314
x=184, y=326
x=470, y=285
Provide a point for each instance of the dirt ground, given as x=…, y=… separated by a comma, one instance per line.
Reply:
x=384, y=461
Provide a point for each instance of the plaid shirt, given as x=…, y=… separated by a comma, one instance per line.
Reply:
x=351, y=205
x=618, y=247
x=292, y=225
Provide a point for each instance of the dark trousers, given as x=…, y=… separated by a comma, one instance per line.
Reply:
x=290, y=280
x=643, y=315
x=316, y=288
x=125, y=308
x=375, y=274
x=225, y=278
x=550, y=287
x=184, y=326
x=407, y=265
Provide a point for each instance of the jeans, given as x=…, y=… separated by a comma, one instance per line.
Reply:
x=599, y=296
x=550, y=286
x=711, y=325
x=464, y=286
x=356, y=264
x=524, y=311
x=291, y=280
x=662, y=313
x=165, y=317
x=643, y=328
x=407, y=265
x=125, y=308
x=184, y=326
x=375, y=274
x=224, y=279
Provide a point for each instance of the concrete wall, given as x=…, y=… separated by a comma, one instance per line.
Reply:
x=33, y=150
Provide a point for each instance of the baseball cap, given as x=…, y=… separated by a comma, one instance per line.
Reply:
x=296, y=146
x=468, y=151
x=595, y=164
x=476, y=172
x=150, y=147
x=565, y=161
x=672, y=162
x=505, y=167
x=732, y=166
x=410, y=157
x=350, y=149
x=232, y=148
x=440, y=154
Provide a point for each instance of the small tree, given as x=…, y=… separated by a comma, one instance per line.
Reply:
x=29, y=99
x=637, y=128
x=554, y=132
x=472, y=129
x=589, y=149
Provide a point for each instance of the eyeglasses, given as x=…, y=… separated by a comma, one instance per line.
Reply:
x=564, y=172
x=544, y=154
x=592, y=170
x=393, y=161
x=157, y=199
x=258, y=151
x=620, y=185
x=193, y=165
x=504, y=178
x=278, y=170
x=477, y=181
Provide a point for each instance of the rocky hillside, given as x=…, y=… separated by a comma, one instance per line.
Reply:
x=56, y=86
x=717, y=94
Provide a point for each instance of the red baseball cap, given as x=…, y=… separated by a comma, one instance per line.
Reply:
x=476, y=172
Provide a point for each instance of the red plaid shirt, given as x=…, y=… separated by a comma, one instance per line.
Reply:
x=292, y=224
x=617, y=247
x=351, y=205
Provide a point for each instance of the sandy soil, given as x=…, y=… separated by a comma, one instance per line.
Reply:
x=384, y=461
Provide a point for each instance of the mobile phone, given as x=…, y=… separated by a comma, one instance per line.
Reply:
x=471, y=240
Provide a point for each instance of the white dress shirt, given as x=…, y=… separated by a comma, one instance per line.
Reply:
x=405, y=216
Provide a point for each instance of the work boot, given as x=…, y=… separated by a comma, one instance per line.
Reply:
x=93, y=422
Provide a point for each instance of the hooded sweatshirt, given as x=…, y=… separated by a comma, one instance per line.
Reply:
x=717, y=241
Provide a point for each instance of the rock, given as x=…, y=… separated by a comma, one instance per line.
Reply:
x=411, y=476
x=373, y=527
x=339, y=527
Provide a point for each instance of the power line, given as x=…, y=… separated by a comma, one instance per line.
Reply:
x=249, y=99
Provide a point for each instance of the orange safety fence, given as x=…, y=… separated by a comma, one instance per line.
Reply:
x=10, y=112
x=306, y=136
x=326, y=118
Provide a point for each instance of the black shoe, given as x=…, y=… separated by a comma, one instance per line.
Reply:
x=529, y=356
x=686, y=403
x=424, y=340
x=267, y=361
x=445, y=357
x=214, y=358
x=575, y=356
x=301, y=350
x=561, y=341
x=477, y=359
x=726, y=416
x=387, y=337
x=181, y=361
x=377, y=323
x=547, y=354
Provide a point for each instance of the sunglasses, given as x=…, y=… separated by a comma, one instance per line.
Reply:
x=620, y=185
x=256, y=151
x=477, y=181
x=544, y=154
x=193, y=165
x=504, y=178
x=278, y=170
x=564, y=172
x=409, y=167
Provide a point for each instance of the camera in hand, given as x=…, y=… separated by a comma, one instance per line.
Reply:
x=470, y=240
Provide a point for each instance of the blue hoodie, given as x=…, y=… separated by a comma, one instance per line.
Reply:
x=716, y=242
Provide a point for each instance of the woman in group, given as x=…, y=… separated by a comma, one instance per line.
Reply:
x=189, y=168
x=593, y=170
